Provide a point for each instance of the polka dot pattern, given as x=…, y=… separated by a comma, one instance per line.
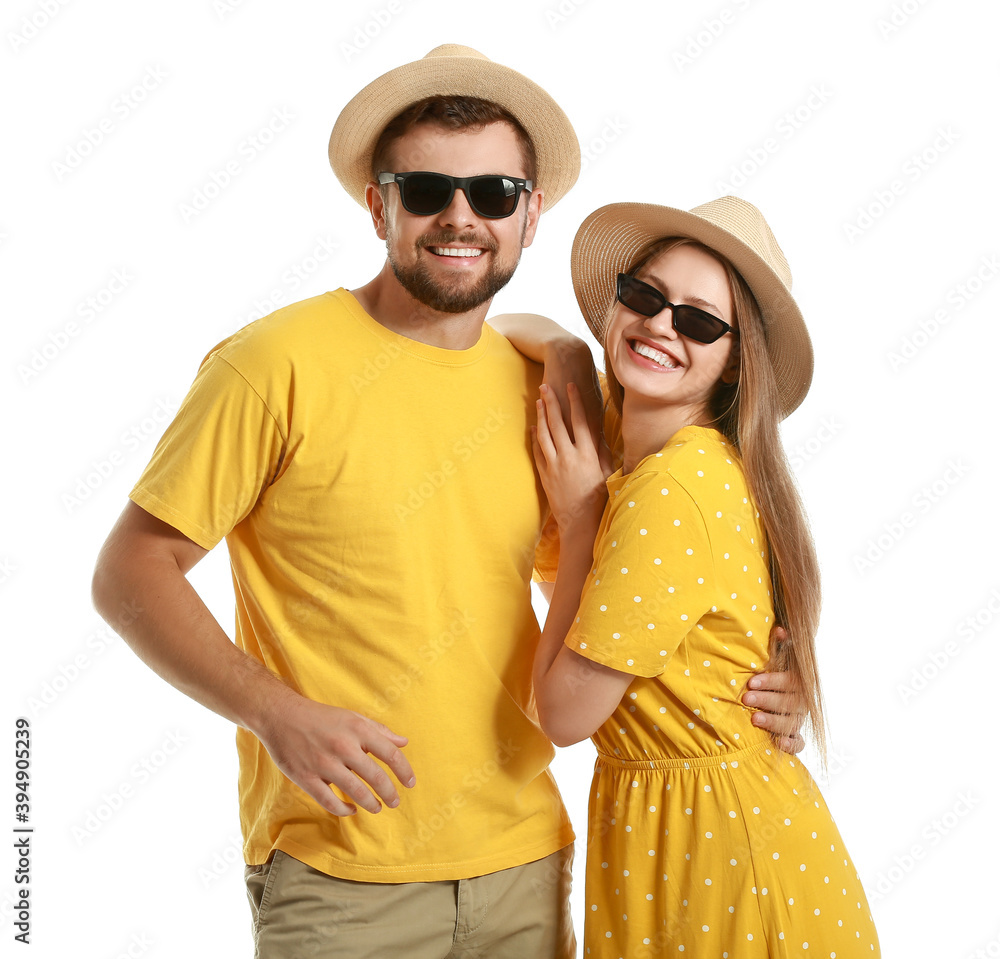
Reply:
x=699, y=826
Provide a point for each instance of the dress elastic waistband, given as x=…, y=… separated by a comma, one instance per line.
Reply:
x=720, y=761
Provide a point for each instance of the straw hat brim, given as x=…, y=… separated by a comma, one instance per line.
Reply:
x=455, y=70
x=609, y=240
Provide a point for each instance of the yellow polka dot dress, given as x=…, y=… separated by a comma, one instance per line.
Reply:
x=704, y=839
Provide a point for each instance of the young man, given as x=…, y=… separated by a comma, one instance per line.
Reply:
x=366, y=456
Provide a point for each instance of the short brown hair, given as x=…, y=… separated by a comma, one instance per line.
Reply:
x=452, y=113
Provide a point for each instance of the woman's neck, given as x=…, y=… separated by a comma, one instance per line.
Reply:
x=647, y=427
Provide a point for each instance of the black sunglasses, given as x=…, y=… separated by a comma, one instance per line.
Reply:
x=425, y=194
x=689, y=321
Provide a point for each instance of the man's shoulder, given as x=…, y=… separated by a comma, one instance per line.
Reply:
x=285, y=323
x=287, y=334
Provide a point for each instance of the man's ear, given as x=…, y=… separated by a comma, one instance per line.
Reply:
x=535, y=202
x=376, y=206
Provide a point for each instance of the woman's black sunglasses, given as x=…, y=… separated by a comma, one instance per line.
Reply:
x=689, y=321
x=425, y=194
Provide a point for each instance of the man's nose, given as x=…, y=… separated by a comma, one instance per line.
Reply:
x=458, y=214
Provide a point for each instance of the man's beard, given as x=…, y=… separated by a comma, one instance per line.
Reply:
x=458, y=296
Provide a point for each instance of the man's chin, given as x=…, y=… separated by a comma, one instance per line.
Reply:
x=458, y=298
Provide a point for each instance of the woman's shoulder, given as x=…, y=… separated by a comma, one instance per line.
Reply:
x=690, y=453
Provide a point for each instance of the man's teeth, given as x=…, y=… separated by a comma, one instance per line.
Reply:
x=643, y=350
x=455, y=251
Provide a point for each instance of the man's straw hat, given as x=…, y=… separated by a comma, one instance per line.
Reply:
x=455, y=70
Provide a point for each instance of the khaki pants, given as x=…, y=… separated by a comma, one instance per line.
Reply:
x=518, y=913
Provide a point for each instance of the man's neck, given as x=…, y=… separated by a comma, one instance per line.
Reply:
x=390, y=305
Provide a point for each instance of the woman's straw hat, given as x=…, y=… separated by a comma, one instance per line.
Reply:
x=611, y=238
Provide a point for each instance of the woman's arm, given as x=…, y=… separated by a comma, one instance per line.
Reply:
x=574, y=696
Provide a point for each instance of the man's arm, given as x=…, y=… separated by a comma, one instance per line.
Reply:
x=143, y=567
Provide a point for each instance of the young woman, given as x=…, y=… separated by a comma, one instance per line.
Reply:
x=704, y=838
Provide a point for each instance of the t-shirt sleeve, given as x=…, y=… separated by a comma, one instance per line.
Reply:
x=653, y=578
x=220, y=453
x=547, y=553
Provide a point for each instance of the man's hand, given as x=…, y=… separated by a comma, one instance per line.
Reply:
x=780, y=709
x=318, y=746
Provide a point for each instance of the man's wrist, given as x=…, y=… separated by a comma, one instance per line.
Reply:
x=267, y=698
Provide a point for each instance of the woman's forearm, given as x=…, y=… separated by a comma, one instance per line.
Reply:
x=576, y=557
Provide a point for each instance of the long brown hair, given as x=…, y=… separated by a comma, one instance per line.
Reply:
x=747, y=413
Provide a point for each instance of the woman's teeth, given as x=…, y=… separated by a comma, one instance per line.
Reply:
x=644, y=350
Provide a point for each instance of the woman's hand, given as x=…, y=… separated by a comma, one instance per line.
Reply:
x=572, y=469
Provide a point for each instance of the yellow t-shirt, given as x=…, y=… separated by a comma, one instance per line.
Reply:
x=381, y=511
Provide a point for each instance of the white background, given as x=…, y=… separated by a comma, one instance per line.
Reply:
x=894, y=447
